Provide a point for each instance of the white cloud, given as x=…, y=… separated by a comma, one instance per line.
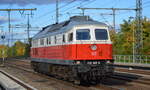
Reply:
x=4, y=19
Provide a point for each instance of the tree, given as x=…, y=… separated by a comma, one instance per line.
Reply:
x=3, y=51
x=123, y=41
x=20, y=48
x=146, y=36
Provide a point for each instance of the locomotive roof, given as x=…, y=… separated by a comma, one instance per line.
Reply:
x=66, y=25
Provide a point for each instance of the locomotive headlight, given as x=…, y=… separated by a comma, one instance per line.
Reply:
x=108, y=61
x=93, y=47
x=78, y=62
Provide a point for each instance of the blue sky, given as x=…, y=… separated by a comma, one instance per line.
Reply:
x=45, y=13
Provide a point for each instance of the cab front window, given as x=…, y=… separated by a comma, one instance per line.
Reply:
x=83, y=34
x=101, y=34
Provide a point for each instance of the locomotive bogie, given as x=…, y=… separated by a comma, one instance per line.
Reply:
x=76, y=72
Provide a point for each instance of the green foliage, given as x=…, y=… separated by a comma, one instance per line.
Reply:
x=12, y=51
x=146, y=36
x=19, y=49
x=27, y=50
x=3, y=51
x=123, y=41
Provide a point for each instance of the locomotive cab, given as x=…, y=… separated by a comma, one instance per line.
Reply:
x=93, y=49
x=92, y=43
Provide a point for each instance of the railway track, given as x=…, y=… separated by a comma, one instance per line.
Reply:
x=25, y=66
x=20, y=67
x=19, y=82
x=131, y=78
x=86, y=86
x=136, y=71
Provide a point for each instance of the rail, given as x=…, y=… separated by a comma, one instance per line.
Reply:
x=9, y=82
x=140, y=59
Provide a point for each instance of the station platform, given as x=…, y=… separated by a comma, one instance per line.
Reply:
x=8, y=84
x=133, y=65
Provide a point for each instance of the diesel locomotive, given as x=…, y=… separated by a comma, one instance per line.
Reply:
x=78, y=50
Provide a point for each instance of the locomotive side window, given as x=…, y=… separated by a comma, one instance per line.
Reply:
x=36, y=43
x=59, y=39
x=42, y=41
x=70, y=37
x=64, y=39
x=55, y=40
x=49, y=40
x=101, y=34
x=52, y=40
x=83, y=34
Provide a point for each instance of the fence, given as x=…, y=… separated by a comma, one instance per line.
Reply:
x=140, y=59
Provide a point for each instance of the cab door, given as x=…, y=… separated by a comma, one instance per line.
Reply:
x=83, y=38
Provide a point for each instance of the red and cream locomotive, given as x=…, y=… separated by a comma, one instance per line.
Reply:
x=79, y=49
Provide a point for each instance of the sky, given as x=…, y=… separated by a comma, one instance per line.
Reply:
x=45, y=13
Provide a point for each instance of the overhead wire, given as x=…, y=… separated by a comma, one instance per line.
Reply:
x=71, y=7
x=105, y=20
x=134, y=6
x=146, y=4
x=101, y=5
x=47, y=13
x=103, y=17
x=75, y=6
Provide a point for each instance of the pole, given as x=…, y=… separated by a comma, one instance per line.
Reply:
x=83, y=12
x=133, y=35
x=28, y=27
x=3, y=51
x=9, y=28
x=138, y=32
x=57, y=12
x=133, y=46
x=114, y=18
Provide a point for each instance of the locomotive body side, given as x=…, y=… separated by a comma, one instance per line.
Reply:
x=83, y=51
x=74, y=49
